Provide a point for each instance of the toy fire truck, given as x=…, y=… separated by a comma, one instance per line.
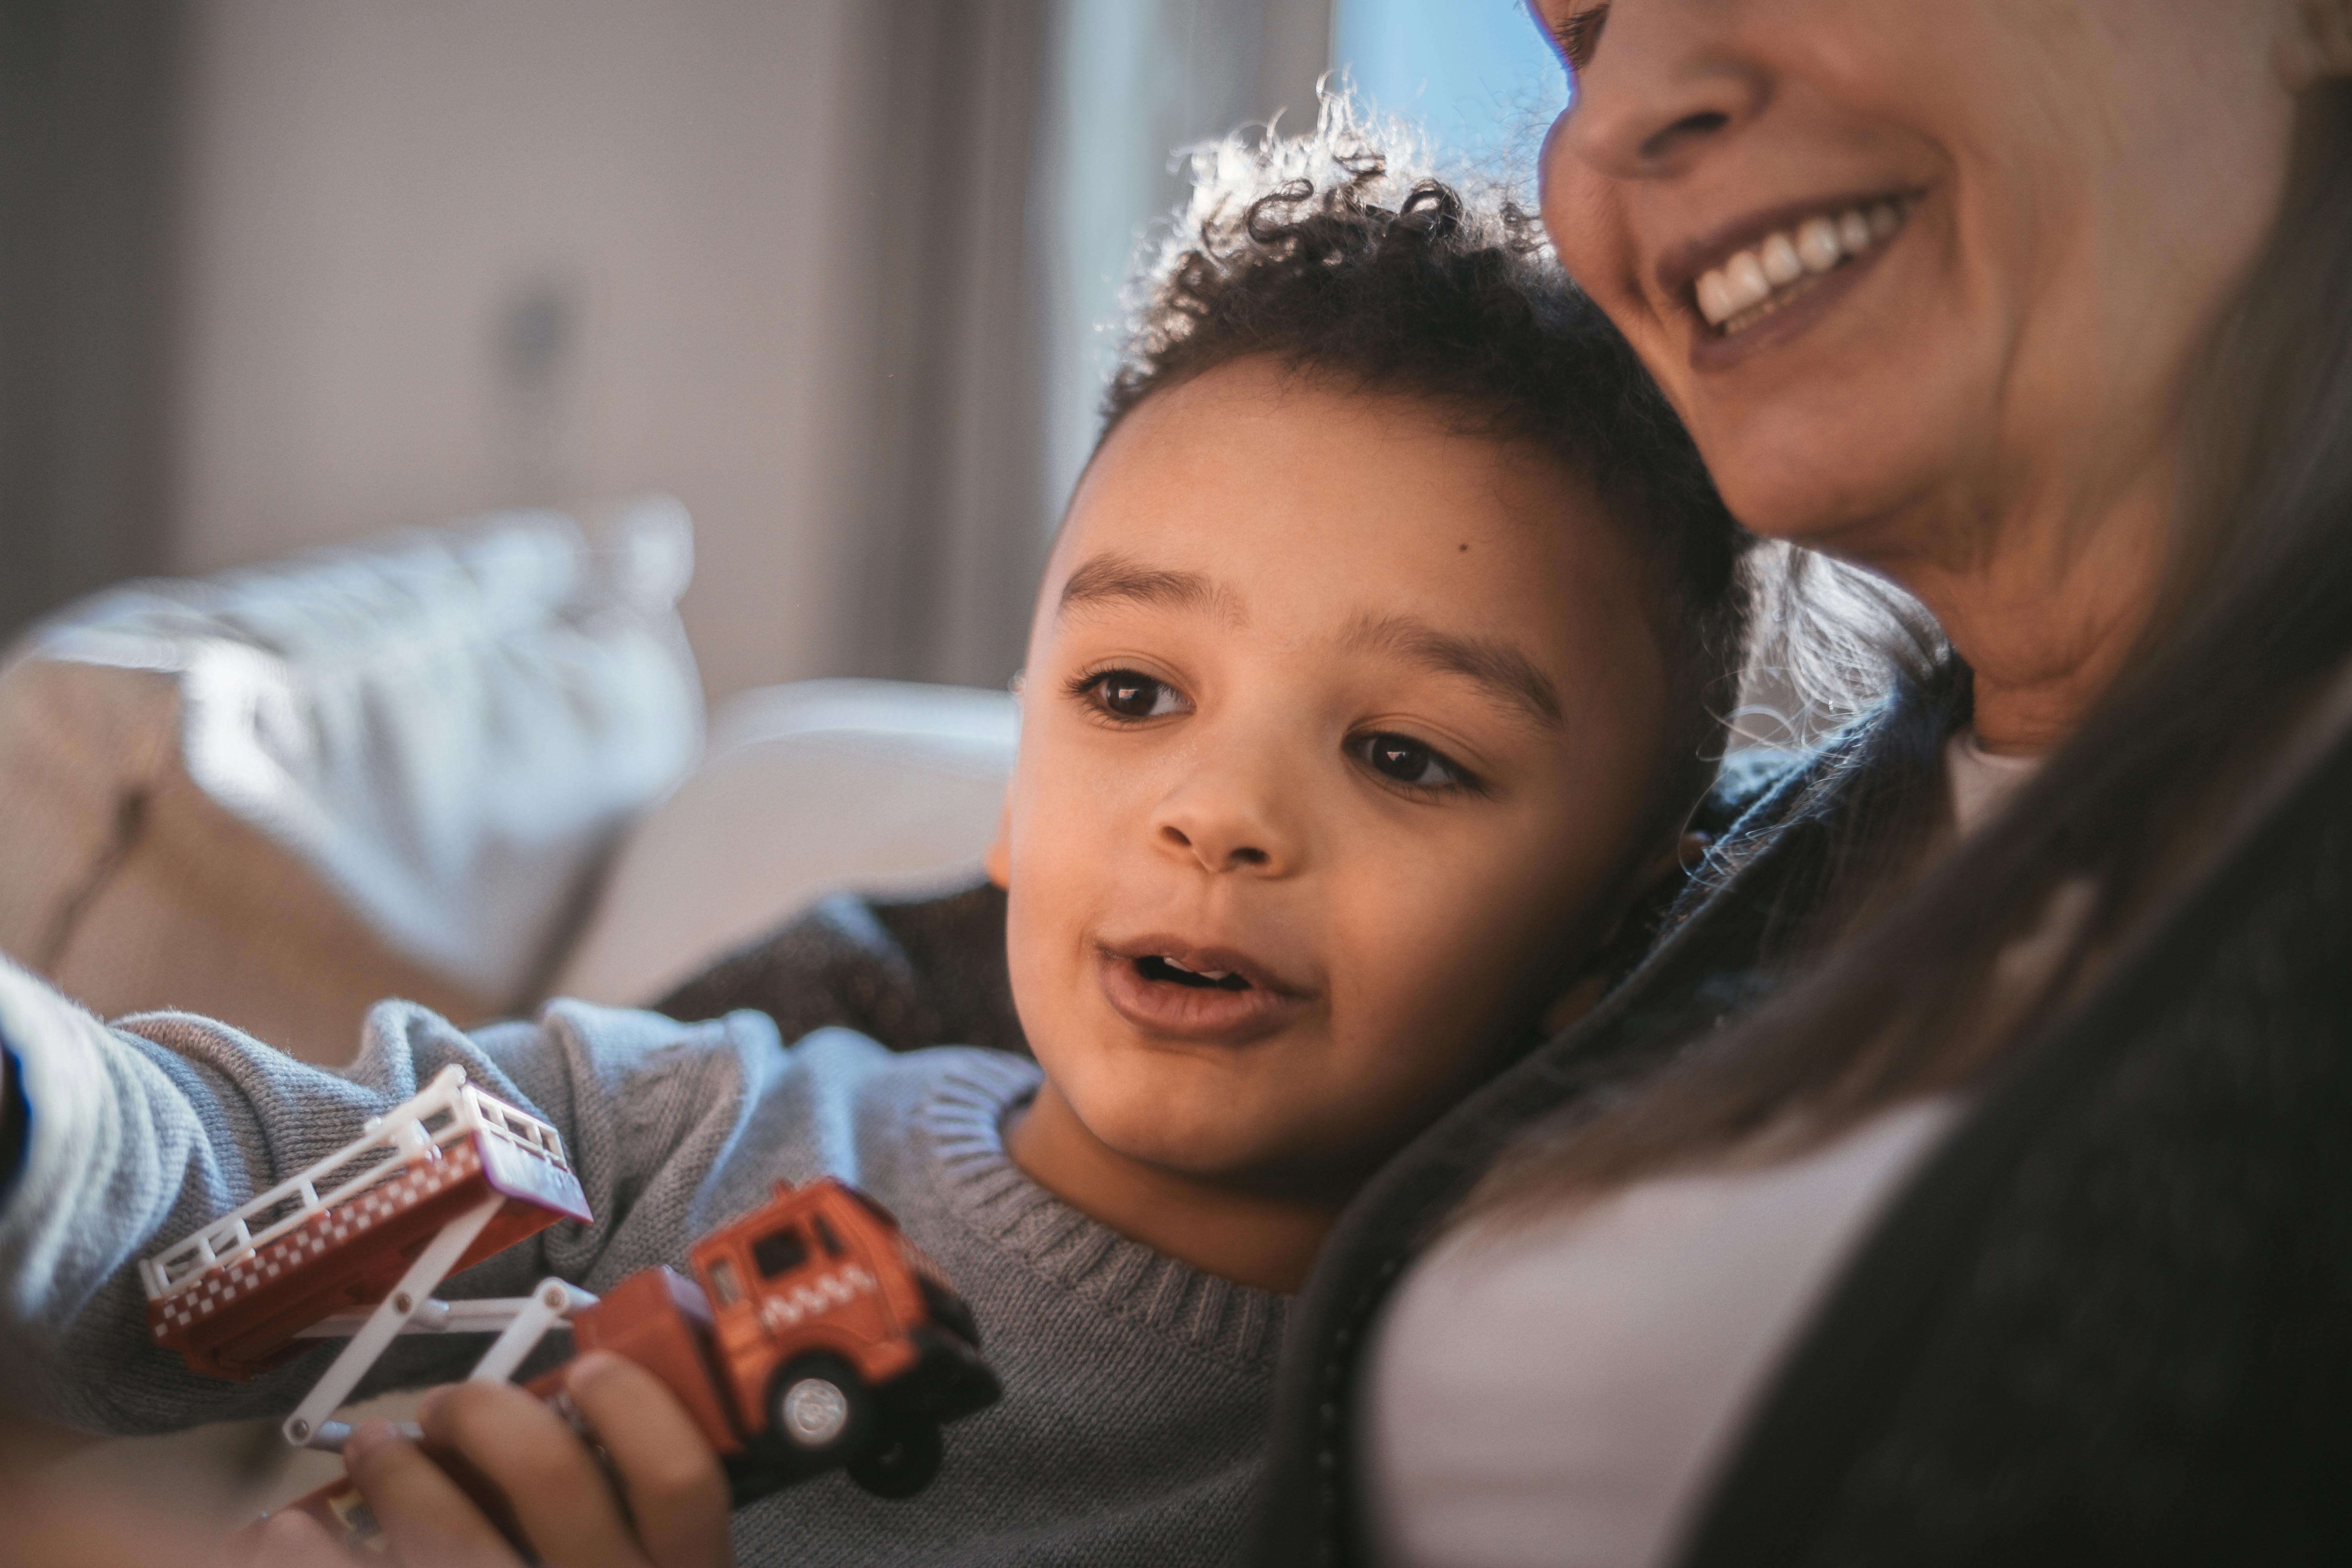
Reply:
x=812, y=1336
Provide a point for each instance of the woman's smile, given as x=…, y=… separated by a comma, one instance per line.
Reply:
x=1756, y=278
x=1848, y=237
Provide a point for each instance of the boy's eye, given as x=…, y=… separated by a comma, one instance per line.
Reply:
x=1133, y=696
x=1409, y=761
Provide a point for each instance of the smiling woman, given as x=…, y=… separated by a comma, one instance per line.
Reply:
x=1963, y=1179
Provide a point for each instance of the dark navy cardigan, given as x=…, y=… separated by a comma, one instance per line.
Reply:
x=2110, y=1321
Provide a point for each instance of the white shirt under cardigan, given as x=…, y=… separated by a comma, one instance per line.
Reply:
x=1563, y=1391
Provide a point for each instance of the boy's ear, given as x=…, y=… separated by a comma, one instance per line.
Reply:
x=1574, y=1003
x=1656, y=888
x=998, y=860
x=1679, y=862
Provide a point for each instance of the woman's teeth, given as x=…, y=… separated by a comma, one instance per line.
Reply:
x=1760, y=279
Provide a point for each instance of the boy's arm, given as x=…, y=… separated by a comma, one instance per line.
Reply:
x=135, y=1134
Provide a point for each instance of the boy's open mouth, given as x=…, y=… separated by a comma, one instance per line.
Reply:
x=1167, y=986
x=1154, y=966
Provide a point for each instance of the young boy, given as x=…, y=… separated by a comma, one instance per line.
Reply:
x=1371, y=682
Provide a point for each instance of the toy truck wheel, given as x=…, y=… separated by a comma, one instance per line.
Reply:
x=903, y=1461
x=820, y=1413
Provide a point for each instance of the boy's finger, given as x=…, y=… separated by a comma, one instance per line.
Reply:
x=291, y=1540
x=426, y=1517
x=675, y=1491
x=560, y=1499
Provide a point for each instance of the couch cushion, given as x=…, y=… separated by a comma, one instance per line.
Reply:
x=277, y=795
x=809, y=788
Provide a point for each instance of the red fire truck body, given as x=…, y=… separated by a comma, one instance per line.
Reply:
x=812, y=1336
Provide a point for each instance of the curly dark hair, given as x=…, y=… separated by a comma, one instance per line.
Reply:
x=1340, y=254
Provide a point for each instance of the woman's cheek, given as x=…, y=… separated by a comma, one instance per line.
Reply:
x=1583, y=220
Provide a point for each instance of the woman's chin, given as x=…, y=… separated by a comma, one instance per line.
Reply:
x=1855, y=508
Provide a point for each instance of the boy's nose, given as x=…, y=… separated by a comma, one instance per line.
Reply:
x=1214, y=851
x=1225, y=826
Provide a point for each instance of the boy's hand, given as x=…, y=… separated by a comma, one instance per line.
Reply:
x=661, y=1504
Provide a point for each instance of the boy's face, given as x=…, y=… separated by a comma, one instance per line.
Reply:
x=1334, y=723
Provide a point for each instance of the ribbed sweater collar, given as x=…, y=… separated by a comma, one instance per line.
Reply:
x=963, y=1119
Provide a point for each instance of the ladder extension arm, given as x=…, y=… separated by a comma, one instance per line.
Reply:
x=424, y=1276
x=474, y=1315
x=553, y=1302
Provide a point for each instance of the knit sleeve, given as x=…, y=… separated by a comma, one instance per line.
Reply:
x=138, y=1132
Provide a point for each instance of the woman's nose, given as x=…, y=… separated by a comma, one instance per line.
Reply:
x=1224, y=820
x=1667, y=80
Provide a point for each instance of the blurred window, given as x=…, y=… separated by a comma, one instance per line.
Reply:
x=1479, y=73
x=1137, y=78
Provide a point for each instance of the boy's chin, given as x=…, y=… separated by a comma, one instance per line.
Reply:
x=1193, y=1115
x=1216, y=1147
x=1185, y=1148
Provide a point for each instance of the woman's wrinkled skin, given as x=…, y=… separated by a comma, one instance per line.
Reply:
x=1989, y=412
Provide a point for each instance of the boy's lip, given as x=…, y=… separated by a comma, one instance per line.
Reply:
x=1209, y=1015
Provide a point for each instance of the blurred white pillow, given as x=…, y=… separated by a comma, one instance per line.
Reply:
x=277, y=795
x=807, y=788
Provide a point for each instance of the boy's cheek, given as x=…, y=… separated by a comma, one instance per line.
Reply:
x=1048, y=895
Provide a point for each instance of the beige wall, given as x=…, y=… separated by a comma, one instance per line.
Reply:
x=371, y=187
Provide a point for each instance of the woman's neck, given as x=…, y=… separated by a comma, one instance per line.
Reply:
x=1261, y=1239
x=2048, y=610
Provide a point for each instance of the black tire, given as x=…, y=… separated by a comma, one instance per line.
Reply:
x=820, y=1414
x=904, y=1460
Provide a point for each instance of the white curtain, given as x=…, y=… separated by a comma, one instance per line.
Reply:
x=1028, y=143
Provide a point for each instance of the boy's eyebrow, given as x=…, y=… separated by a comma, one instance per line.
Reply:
x=1113, y=577
x=1502, y=669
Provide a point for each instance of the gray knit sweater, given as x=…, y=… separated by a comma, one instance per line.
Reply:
x=1136, y=1388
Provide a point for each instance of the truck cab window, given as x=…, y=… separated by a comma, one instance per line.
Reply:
x=824, y=1236
x=723, y=1283
x=780, y=1252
